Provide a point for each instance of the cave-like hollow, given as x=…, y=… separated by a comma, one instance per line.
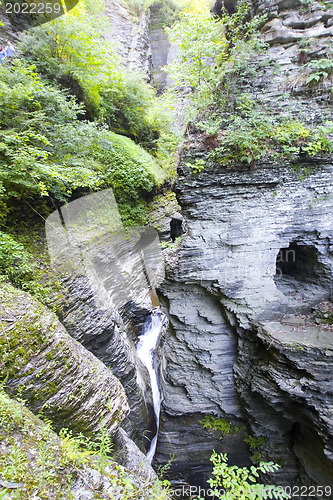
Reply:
x=301, y=273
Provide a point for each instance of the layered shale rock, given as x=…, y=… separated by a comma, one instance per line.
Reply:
x=129, y=32
x=258, y=246
x=35, y=462
x=227, y=277
x=55, y=374
x=284, y=376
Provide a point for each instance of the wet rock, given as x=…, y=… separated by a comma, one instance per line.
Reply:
x=128, y=455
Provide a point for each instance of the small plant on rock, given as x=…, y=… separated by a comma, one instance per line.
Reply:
x=197, y=166
x=229, y=482
x=319, y=70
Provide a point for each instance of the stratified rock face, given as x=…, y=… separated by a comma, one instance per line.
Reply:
x=129, y=34
x=293, y=20
x=284, y=375
x=237, y=224
x=100, y=328
x=163, y=52
x=108, y=276
x=228, y=276
x=36, y=463
x=258, y=246
x=55, y=374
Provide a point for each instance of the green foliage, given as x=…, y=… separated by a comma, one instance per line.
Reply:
x=197, y=166
x=130, y=107
x=320, y=140
x=104, y=447
x=199, y=39
x=171, y=244
x=47, y=152
x=69, y=46
x=30, y=111
x=254, y=442
x=15, y=262
x=211, y=52
x=232, y=482
x=167, y=12
x=254, y=134
x=218, y=424
x=319, y=70
x=69, y=51
x=139, y=5
x=210, y=125
x=45, y=465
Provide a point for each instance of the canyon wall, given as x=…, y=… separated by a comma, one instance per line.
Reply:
x=239, y=345
x=231, y=294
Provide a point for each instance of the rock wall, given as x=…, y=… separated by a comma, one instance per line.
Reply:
x=225, y=282
x=231, y=273
x=129, y=32
x=284, y=376
x=35, y=462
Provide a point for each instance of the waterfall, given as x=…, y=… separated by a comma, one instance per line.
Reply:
x=146, y=351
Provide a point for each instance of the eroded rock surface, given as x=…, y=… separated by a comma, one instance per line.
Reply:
x=54, y=373
x=258, y=246
x=129, y=33
x=35, y=462
x=284, y=375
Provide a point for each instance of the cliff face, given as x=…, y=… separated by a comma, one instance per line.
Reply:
x=226, y=280
x=256, y=257
x=258, y=248
x=129, y=32
x=35, y=462
x=284, y=376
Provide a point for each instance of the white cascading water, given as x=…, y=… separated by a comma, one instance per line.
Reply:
x=146, y=351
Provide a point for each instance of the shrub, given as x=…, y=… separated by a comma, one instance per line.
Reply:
x=15, y=262
x=47, y=152
x=251, y=137
x=319, y=70
x=69, y=51
x=30, y=112
x=218, y=424
x=129, y=169
x=212, y=51
x=71, y=45
x=131, y=108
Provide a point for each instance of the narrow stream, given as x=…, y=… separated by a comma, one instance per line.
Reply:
x=146, y=353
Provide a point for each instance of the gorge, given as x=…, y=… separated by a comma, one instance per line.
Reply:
x=238, y=326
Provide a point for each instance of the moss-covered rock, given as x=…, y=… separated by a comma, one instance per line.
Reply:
x=36, y=463
x=161, y=210
x=55, y=374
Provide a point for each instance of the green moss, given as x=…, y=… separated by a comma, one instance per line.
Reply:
x=323, y=317
x=46, y=466
x=18, y=344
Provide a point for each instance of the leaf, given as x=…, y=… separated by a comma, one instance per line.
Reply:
x=314, y=77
